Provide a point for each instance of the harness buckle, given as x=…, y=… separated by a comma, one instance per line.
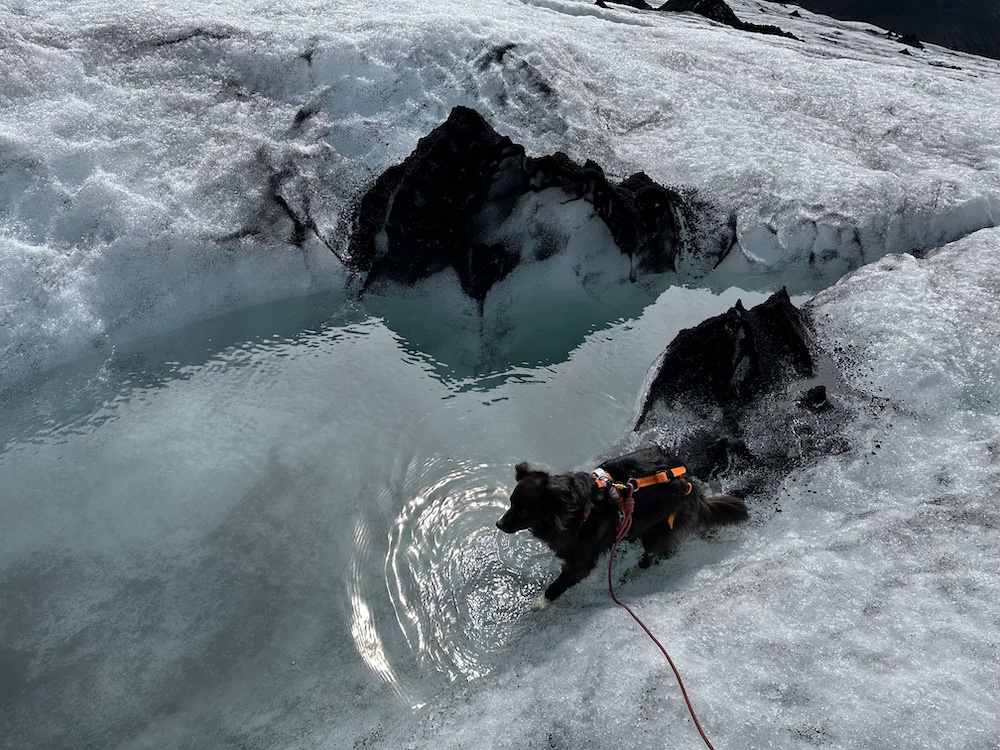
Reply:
x=603, y=479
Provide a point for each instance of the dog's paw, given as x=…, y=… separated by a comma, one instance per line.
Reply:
x=540, y=604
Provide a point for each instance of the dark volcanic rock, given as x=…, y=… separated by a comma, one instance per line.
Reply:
x=718, y=11
x=734, y=357
x=714, y=10
x=639, y=4
x=437, y=209
x=424, y=205
x=911, y=40
x=737, y=397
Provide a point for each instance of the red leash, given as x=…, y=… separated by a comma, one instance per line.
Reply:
x=623, y=529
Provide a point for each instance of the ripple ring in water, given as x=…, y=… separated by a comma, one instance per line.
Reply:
x=459, y=586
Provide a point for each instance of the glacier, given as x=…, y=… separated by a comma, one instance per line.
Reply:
x=244, y=504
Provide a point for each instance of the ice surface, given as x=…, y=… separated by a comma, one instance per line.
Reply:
x=153, y=155
x=285, y=541
x=252, y=539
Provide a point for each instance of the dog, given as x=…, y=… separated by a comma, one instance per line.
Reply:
x=577, y=514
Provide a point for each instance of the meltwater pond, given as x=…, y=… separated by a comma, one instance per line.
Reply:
x=277, y=526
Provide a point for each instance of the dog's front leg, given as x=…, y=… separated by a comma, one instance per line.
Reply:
x=570, y=576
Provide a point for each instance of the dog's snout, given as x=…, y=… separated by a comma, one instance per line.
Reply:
x=506, y=523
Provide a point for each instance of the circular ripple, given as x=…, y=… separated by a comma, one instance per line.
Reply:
x=458, y=584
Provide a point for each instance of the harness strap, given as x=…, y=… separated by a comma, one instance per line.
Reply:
x=602, y=478
x=659, y=477
x=624, y=499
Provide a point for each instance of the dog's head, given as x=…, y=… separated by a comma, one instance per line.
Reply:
x=538, y=502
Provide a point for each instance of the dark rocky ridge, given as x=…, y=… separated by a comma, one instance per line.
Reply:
x=714, y=10
x=718, y=11
x=966, y=25
x=637, y=4
x=435, y=210
x=734, y=357
x=740, y=397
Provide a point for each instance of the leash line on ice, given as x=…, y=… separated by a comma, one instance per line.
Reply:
x=623, y=529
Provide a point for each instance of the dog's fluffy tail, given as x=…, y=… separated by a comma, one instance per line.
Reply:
x=723, y=510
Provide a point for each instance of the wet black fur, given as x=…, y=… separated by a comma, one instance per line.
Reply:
x=551, y=506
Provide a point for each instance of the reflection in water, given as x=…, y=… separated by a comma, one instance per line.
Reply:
x=456, y=585
x=533, y=328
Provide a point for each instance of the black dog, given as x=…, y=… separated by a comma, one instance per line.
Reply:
x=578, y=514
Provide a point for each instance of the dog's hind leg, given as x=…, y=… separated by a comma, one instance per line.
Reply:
x=647, y=559
x=657, y=544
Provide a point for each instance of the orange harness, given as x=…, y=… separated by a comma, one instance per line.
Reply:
x=603, y=479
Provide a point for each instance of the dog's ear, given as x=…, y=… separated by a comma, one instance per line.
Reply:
x=557, y=502
x=560, y=490
x=522, y=470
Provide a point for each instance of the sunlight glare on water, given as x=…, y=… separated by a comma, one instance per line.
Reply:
x=457, y=590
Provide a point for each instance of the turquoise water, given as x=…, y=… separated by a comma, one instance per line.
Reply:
x=279, y=524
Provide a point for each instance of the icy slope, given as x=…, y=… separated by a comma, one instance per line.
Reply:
x=164, y=162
